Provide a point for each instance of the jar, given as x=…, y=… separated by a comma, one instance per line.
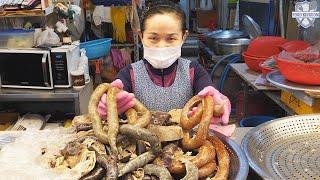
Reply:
x=78, y=80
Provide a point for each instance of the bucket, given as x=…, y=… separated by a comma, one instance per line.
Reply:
x=254, y=121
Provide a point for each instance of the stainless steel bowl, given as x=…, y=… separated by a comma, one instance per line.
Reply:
x=285, y=148
x=232, y=46
x=239, y=167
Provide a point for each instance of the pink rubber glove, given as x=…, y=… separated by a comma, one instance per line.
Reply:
x=219, y=100
x=226, y=130
x=124, y=100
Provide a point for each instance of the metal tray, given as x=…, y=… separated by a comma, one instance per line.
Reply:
x=276, y=79
x=239, y=166
x=285, y=148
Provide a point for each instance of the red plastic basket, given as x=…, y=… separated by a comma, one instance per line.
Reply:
x=253, y=62
x=265, y=46
x=299, y=72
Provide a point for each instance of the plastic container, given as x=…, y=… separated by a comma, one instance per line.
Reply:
x=96, y=48
x=85, y=65
x=78, y=79
x=299, y=72
x=254, y=121
x=17, y=38
x=253, y=62
x=265, y=46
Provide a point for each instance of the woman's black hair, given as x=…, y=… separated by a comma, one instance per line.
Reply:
x=163, y=7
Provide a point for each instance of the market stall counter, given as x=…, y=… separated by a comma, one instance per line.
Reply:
x=250, y=78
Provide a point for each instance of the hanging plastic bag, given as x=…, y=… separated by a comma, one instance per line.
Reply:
x=206, y=5
x=76, y=26
x=98, y=15
x=48, y=38
x=134, y=18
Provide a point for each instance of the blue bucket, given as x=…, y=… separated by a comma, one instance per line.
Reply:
x=254, y=121
x=96, y=48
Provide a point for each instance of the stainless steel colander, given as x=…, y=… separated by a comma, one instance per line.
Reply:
x=285, y=148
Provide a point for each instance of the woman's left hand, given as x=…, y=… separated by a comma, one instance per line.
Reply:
x=220, y=100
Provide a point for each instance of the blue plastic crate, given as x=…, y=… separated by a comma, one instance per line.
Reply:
x=96, y=48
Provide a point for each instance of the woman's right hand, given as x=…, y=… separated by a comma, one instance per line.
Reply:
x=124, y=100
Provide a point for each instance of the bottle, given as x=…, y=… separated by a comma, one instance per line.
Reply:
x=84, y=64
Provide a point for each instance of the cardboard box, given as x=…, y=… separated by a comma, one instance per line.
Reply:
x=205, y=17
x=298, y=105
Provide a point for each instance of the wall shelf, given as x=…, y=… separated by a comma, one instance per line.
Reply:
x=27, y=13
x=45, y=9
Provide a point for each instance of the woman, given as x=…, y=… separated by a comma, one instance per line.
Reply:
x=163, y=80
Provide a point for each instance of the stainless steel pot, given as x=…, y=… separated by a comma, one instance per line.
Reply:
x=213, y=37
x=232, y=46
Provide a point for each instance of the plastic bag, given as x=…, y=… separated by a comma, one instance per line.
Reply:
x=24, y=159
x=206, y=4
x=48, y=38
x=309, y=55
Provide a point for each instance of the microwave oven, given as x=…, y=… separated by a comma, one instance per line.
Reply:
x=38, y=69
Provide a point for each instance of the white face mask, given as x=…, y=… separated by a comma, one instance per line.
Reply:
x=161, y=58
